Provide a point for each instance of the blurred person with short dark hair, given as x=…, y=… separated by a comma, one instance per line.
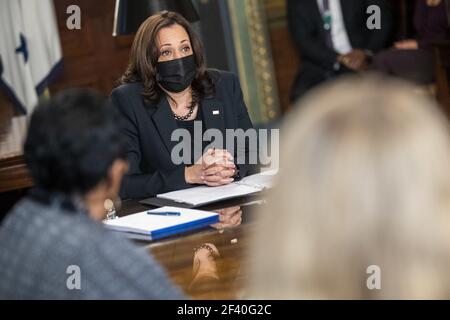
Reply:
x=364, y=186
x=75, y=155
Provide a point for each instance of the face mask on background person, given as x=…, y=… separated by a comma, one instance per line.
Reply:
x=176, y=75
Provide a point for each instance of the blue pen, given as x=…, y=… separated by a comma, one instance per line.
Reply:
x=164, y=213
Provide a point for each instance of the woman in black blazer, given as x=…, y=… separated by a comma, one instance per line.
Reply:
x=167, y=87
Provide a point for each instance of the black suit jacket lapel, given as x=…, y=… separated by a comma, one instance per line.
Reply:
x=164, y=122
x=316, y=16
x=162, y=117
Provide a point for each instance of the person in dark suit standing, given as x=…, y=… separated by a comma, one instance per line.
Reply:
x=168, y=87
x=333, y=38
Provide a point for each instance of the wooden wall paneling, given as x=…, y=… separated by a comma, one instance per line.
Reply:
x=14, y=174
x=92, y=57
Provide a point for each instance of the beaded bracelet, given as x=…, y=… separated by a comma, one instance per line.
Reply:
x=211, y=251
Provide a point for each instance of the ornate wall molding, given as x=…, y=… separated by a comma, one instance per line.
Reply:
x=254, y=58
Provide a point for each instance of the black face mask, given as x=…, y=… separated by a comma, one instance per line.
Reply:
x=176, y=75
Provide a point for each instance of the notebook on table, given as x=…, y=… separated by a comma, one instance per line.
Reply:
x=147, y=226
x=203, y=195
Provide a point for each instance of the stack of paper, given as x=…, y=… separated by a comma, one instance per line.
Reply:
x=154, y=226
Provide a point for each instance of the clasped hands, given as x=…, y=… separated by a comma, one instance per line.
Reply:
x=215, y=168
x=356, y=60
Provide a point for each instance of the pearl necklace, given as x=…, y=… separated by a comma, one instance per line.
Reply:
x=185, y=117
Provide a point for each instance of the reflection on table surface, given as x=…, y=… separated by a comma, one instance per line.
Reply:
x=229, y=237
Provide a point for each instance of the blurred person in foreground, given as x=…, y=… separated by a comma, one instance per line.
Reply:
x=365, y=182
x=412, y=59
x=76, y=157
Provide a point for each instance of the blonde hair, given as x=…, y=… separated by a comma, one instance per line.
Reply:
x=365, y=180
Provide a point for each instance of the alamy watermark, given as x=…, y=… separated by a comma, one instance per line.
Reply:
x=374, y=280
x=374, y=20
x=73, y=281
x=248, y=147
x=73, y=21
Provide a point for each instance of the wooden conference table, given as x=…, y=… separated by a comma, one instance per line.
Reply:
x=175, y=253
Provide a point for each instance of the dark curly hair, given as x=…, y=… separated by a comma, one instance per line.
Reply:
x=145, y=53
x=72, y=141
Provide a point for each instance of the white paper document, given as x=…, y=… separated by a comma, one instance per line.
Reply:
x=203, y=194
